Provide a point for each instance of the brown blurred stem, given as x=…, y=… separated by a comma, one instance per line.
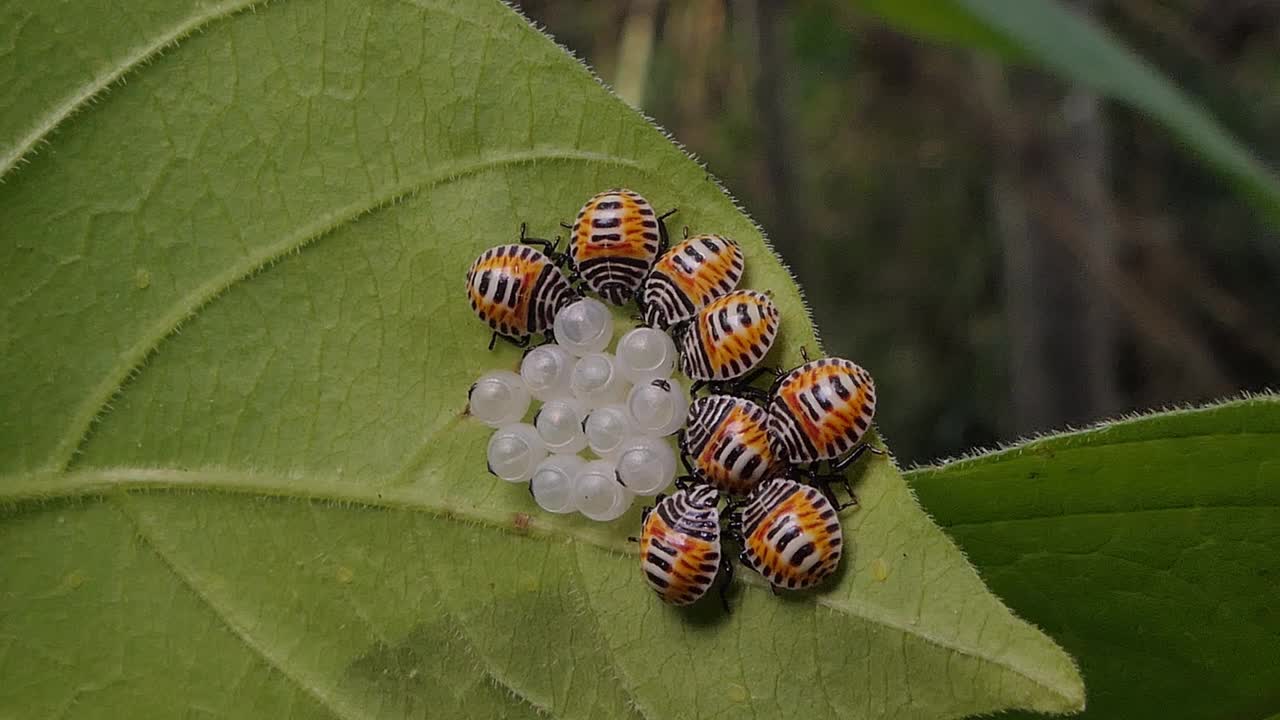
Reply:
x=1062, y=277
x=1053, y=212
x=771, y=67
x=1176, y=271
x=635, y=51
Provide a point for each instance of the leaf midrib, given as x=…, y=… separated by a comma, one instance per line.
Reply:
x=228, y=620
x=227, y=616
x=393, y=494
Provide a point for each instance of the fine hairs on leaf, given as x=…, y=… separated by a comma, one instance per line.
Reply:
x=285, y=497
x=1094, y=433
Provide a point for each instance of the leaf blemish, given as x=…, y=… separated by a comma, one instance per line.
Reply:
x=521, y=521
x=72, y=581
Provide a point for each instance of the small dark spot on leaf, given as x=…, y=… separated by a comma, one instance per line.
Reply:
x=521, y=521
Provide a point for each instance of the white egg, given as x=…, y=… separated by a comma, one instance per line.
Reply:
x=607, y=428
x=498, y=398
x=646, y=465
x=596, y=380
x=560, y=423
x=646, y=354
x=584, y=327
x=546, y=370
x=514, y=451
x=659, y=407
x=599, y=496
x=554, y=483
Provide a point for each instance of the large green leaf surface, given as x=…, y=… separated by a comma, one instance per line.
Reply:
x=1149, y=547
x=236, y=474
x=1046, y=33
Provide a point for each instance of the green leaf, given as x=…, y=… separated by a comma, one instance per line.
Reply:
x=236, y=476
x=1063, y=42
x=1149, y=547
x=947, y=22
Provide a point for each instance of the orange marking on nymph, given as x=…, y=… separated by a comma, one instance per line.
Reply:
x=526, y=270
x=690, y=552
x=701, y=282
x=631, y=241
x=738, y=427
x=813, y=528
x=833, y=423
x=736, y=344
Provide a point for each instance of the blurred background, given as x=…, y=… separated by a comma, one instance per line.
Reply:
x=1005, y=252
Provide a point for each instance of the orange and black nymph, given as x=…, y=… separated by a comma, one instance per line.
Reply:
x=821, y=411
x=790, y=534
x=517, y=291
x=728, y=338
x=613, y=243
x=680, y=545
x=688, y=276
x=725, y=443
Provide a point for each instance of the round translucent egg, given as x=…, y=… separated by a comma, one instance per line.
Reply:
x=584, y=327
x=646, y=465
x=596, y=381
x=599, y=496
x=554, y=482
x=545, y=370
x=560, y=424
x=607, y=428
x=514, y=451
x=498, y=398
x=646, y=354
x=658, y=408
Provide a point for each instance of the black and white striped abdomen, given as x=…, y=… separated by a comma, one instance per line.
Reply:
x=727, y=439
x=791, y=534
x=705, y=417
x=699, y=522
x=664, y=302
x=680, y=545
x=551, y=294
x=688, y=276
x=762, y=502
x=729, y=337
x=516, y=290
x=821, y=410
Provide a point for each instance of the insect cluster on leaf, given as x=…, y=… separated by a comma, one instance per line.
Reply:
x=599, y=436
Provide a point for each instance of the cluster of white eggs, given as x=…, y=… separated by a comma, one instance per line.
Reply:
x=597, y=439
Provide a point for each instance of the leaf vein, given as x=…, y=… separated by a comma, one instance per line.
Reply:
x=84, y=94
x=131, y=362
x=86, y=483
x=593, y=614
x=227, y=618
